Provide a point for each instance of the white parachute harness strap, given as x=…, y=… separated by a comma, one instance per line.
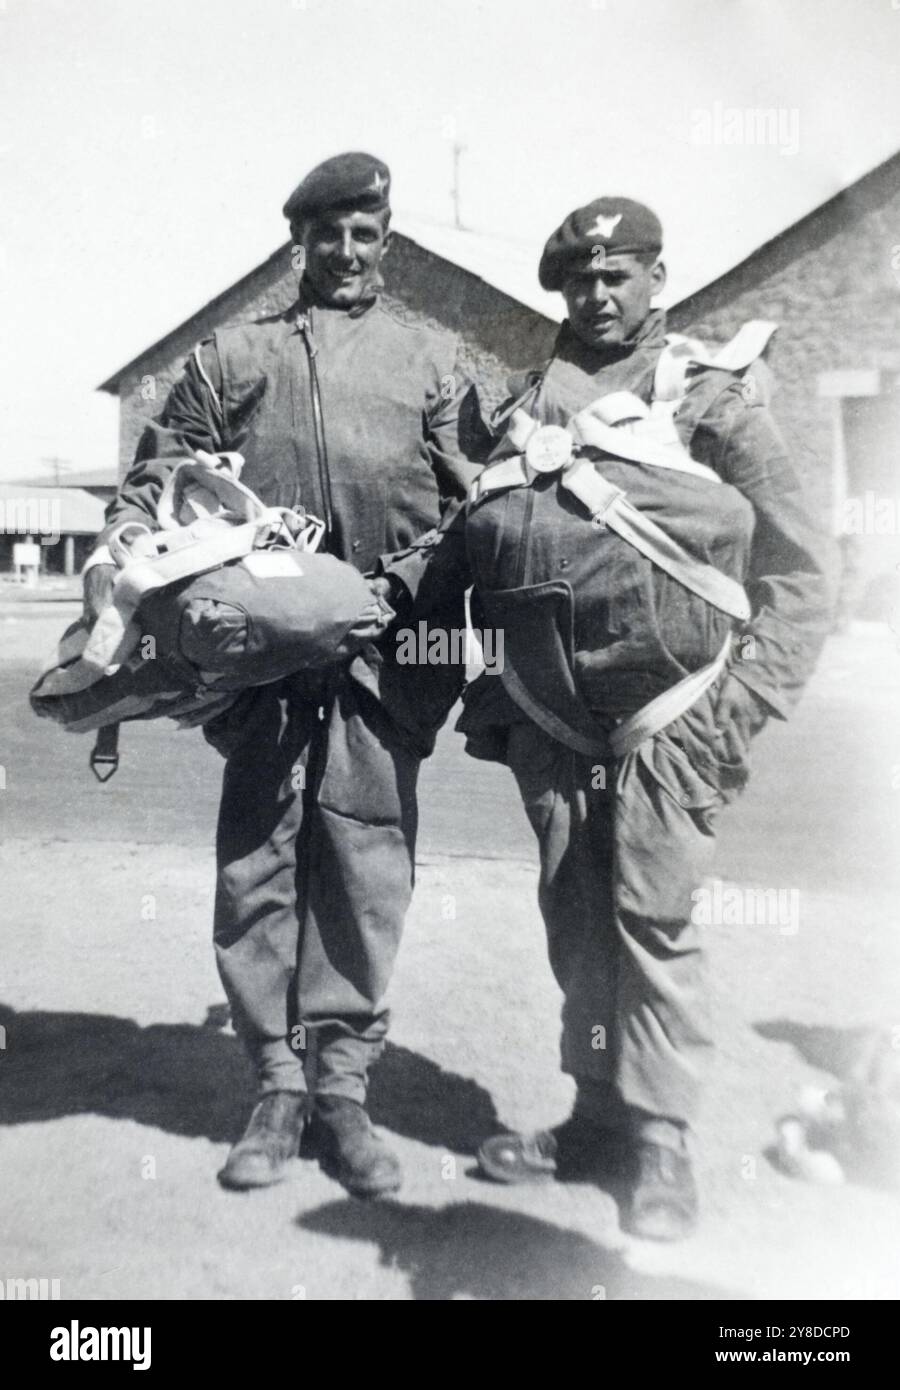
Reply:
x=681, y=354
x=209, y=386
x=309, y=535
x=206, y=485
x=510, y=472
x=658, y=713
x=520, y=428
x=608, y=506
x=620, y=424
x=122, y=540
x=181, y=554
x=648, y=438
x=209, y=485
x=547, y=720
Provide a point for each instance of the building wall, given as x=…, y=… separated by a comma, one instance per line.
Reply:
x=498, y=334
x=832, y=283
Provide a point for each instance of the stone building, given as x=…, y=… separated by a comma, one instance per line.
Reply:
x=504, y=319
x=831, y=281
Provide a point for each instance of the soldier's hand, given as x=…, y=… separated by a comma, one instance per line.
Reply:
x=384, y=587
x=391, y=594
x=98, y=589
x=740, y=714
x=375, y=619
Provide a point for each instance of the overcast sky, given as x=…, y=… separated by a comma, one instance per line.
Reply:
x=146, y=146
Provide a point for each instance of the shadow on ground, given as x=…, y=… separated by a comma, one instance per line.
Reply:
x=471, y=1250
x=194, y=1081
x=829, y=1049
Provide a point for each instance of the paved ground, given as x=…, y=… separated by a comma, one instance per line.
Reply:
x=120, y=1087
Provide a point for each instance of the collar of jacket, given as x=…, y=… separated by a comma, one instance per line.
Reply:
x=569, y=347
x=651, y=336
x=308, y=299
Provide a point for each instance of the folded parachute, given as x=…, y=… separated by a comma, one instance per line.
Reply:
x=228, y=594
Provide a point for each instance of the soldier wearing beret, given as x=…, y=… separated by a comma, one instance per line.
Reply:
x=640, y=537
x=369, y=423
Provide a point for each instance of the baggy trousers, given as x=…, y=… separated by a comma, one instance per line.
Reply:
x=315, y=855
x=622, y=848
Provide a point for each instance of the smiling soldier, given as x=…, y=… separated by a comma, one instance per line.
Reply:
x=370, y=424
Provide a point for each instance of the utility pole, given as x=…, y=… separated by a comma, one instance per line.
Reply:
x=457, y=151
x=58, y=465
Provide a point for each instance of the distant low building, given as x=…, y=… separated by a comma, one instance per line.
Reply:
x=63, y=522
x=99, y=482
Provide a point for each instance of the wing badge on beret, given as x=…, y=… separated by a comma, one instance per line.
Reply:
x=604, y=226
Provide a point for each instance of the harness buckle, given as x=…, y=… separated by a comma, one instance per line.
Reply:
x=549, y=449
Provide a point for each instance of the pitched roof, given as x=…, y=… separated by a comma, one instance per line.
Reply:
x=506, y=266
x=70, y=511
x=808, y=232
x=511, y=267
x=201, y=315
x=92, y=478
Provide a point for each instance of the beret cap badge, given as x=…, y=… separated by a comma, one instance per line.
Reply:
x=604, y=226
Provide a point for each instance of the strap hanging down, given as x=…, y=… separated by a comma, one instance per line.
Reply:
x=105, y=752
x=651, y=719
x=658, y=713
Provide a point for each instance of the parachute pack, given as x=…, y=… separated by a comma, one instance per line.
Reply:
x=227, y=594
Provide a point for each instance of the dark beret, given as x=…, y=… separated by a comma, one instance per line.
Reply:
x=357, y=182
x=606, y=227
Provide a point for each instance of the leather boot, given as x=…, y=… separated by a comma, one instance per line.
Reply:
x=350, y=1150
x=265, y=1151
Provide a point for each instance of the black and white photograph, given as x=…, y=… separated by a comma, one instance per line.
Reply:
x=450, y=661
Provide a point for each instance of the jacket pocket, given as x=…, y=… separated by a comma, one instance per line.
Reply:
x=680, y=780
x=696, y=734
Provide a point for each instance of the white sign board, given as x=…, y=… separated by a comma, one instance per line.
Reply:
x=27, y=555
